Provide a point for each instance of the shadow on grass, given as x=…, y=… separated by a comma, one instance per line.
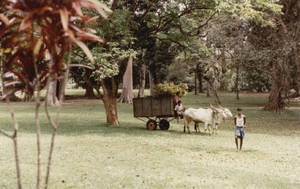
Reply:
x=100, y=128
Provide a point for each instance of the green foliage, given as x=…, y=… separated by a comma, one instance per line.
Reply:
x=257, y=11
x=170, y=89
x=117, y=33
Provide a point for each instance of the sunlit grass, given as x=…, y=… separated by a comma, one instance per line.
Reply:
x=89, y=154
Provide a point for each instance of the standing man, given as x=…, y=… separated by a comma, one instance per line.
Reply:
x=239, y=122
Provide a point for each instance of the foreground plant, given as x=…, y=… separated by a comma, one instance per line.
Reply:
x=36, y=37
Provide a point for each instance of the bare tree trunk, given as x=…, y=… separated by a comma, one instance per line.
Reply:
x=127, y=89
x=237, y=83
x=15, y=141
x=213, y=90
x=151, y=83
x=89, y=90
x=142, y=81
x=110, y=100
x=51, y=99
x=275, y=99
x=276, y=102
x=61, y=86
x=207, y=92
x=142, y=84
x=199, y=75
x=99, y=94
x=295, y=46
x=196, y=86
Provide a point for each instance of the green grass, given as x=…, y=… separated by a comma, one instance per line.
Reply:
x=88, y=154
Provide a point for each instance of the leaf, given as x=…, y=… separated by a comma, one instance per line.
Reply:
x=90, y=20
x=85, y=49
x=96, y=2
x=4, y=19
x=26, y=22
x=5, y=51
x=89, y=36
x=37, y=47
x=101, y=12
x=44, y=9
x=12, y=83
x=8, y=74
x=64, y=18
x=81, y=65
x=77, y=8
x=91, y=30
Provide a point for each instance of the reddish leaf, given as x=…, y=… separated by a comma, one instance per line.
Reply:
x=64, y=18
x=4, y=19
x=26, y=22
x=77, y=8
x=88, y=36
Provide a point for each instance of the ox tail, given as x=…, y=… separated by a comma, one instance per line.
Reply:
x=184, y=123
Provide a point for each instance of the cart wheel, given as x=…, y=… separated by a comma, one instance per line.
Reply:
x=164, y=124
x=151, y=124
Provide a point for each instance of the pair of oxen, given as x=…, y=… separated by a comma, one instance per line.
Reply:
x=211, y=117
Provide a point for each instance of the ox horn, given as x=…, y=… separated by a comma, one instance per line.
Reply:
x=220, y=106
x=213, y=108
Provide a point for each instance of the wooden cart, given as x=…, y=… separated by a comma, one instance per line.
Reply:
x=158, y=111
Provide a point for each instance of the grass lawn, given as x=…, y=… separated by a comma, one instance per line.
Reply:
x=89, y=155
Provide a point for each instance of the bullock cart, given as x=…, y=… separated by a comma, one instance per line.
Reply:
x=158, y=111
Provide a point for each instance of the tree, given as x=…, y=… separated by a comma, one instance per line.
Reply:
x=30, y=30
x=278, y=51
x=272, y=45
x=156, y=28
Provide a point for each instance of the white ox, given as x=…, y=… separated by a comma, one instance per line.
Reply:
x=209, y=116
x=219, y=121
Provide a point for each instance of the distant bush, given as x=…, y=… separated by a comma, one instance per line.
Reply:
x=170, y=89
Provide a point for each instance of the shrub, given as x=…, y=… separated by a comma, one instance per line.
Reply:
x=170, y=89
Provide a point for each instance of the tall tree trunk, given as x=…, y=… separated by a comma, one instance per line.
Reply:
x=99, y=94
x=237, y=82
x=27, y=95
x=110, y=100
x=142, y=84
x=127, y=89
x=275, y=102
x=89, y=90
x=295, y=47
x=51, y=98
x=196, y=85
x=222, y=77
x=151, y=83
x=142, y=81
x=199, y=75
x=213, y=90
x=61, y=86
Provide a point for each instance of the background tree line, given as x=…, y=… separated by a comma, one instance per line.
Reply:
x=212, y=45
